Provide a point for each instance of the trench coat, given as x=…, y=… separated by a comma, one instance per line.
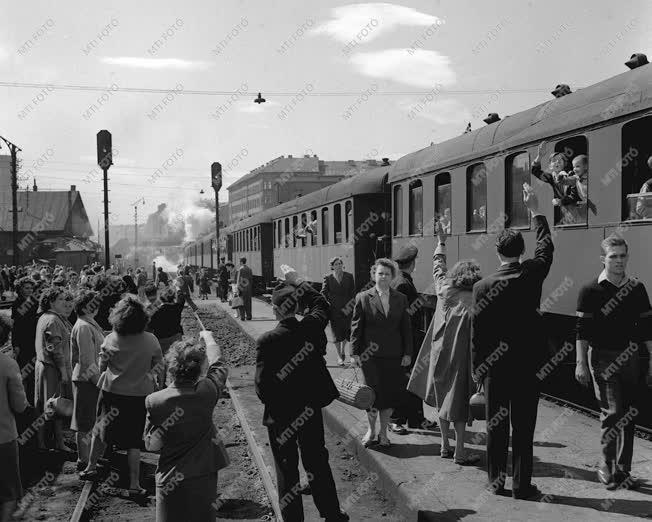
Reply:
x=442, y=373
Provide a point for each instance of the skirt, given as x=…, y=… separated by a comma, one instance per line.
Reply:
x=388, y=380
x=190, y=500
x=120, y=420
x=47, y=383
x=341, y=327
x=10, y=485
x=84, y=396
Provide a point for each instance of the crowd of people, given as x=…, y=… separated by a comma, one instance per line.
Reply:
x=110, y=346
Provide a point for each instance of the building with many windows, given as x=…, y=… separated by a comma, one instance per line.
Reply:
x=286, y=178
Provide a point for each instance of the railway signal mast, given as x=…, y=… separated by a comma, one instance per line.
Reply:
x=105, y=160
x=216, y=181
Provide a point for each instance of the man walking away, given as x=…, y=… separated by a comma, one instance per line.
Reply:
x=294, y=384
x=245, y=282
x=161, y=277
x=508, y=348
x=613, y=316
x=222, y=280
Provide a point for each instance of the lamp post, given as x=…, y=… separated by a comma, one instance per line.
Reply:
x=142, y=201
x=13, y=150
x=216, y=181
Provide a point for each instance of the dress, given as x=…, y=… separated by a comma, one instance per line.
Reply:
x=340, y=295
x=204, y=285
x=52, y=353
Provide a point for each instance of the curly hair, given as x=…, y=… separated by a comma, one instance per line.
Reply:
x=335, y=260
x=82, y=300
x=387, y=263
x=510, y=243
x=50, y=295
x=185, y=360
x=464, y=274
x=129, y=316
x=20, y=283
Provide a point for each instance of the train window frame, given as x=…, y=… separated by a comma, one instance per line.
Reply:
x=295, y=226
x=337, y=224
x=255, y=233
x=470, y=175
x=632, y=160
x=303, y=221
x=286, y=233
x=412, y=187
x=561, y=146
x=325, y=239
x=274, y=233
x=348, y=220
x=439, y=177
x=510, y=192
x=397, y=210
x=315, y=234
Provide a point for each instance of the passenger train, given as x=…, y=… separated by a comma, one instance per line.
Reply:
x=474, y=183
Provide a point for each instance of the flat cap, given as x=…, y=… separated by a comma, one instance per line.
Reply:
x=284, y=296
x=406, y=254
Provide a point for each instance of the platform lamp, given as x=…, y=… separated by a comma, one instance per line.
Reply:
x=216, y=181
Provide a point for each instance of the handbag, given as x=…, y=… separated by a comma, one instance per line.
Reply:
x=237, y=302
x=354, y=393
x=478, y=404
x=57, y=405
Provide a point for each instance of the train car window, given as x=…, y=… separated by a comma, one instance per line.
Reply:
x=295, y=226
x=303, y=235
x=636, y=170
x=324, y=226
x=274, y=234
x=348, y=220
x=571, y=156
x=255, y=239
x=286, y=240
x=337, y=223
x=415, y=207
x=313, y=231
x=443, y=200
x=517, y=172
x=476, y=198
x=397, y=213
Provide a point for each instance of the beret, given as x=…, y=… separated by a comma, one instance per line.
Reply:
x=406, y=254
x=283, y=294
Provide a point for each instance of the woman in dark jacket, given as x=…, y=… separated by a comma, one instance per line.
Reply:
x=339, y=290
x=24, y=313
x=381, y=343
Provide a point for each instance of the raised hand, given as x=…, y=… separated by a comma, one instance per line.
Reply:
x=530, y=198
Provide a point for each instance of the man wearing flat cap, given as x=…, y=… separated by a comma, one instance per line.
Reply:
x=294, y=384
x=410, y=409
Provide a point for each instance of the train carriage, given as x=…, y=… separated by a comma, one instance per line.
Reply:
x=252, y=239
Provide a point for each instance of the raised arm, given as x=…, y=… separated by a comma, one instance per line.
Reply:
x=218, y=371
x=543, y=252
x=439, y=268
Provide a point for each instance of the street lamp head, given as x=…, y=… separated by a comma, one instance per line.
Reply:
x=201, y=191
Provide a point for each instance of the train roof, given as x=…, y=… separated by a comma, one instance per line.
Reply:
x=620, y=95
x=369, y=182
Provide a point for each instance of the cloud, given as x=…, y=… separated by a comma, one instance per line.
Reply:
x=256, y=108
x=378, y=18
x=441, y=111
x=420, y=68
x=154, y=63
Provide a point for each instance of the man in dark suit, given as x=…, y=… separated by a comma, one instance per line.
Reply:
x=294, y=384
x=245, y=282
x=222, y=287
x=410, y=410
x=508, y=349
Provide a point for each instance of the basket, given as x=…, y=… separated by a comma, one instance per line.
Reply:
x=354, y=393
x=478, y=404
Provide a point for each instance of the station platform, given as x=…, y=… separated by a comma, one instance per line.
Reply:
x=427, y=487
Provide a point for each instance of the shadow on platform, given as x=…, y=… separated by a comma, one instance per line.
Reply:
x=639, y=508
x=448, y=515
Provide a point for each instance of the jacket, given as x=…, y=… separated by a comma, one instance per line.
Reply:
x=291, y=374
x=86, y=338
x=404, y=284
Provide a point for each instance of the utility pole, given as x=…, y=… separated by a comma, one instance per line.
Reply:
x=13, y=151
x=136, y=229
x=105, y=160
x=216, y=181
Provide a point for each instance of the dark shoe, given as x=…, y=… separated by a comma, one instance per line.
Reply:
x=529, y=493
x=305, y=490
x=496, y=490
x=467, y=460
x=624, y=480
x=338, y=517
x=398, y=428
x=607, y=479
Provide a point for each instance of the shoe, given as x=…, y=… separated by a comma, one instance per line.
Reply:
x=424, y=424
x=607, y=479
x=384, y=442
x=91, y=475
x=338, y=517
x=350, y=361
x=305, y=490
x=467, y=460
x=446, y=453
x=398, y=428
x=340, y=361
x=369, y=439
x=625, y=480
x=81, y=465
x=529, y=493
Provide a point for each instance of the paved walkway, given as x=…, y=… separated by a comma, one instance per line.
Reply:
x=431, y=488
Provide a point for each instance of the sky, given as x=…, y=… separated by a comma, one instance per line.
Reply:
x=174, y=82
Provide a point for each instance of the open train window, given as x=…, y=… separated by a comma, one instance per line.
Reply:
x=443, y=201
x=476, y=198
x=274, y=234
x=279, y=234
x=415, y=207
x=348, y=221
x=573, y=189
x=287, y=233
x=314, y=228
x=324, y=226
x=337, y=223
x=255, y=238
x=636, y=171
x=303, y=236
x=517, y=172
x=295, y=226
x=398, y=211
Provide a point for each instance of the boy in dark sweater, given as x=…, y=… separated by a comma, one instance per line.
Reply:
x=613, y=317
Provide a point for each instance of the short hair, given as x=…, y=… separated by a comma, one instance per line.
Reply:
x=510, y=243
x=243, y=260
x=613, y=240
x=129, y=316
x=5, y=329
x=583, y=158
x=560, y=155
x=335, y=260
x=229, y=264
x=387, y=263
x=20, y=283
x=50, y=295
x=168, y=295
x=464, y=274
x=185, y=360
x=83, y=299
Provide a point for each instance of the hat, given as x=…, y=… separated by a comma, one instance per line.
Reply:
x=406, y=254
x=284, y=297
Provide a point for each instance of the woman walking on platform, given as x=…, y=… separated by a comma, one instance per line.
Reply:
x=339, y=290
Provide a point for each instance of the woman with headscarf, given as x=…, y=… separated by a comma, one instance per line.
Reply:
x=339, y=290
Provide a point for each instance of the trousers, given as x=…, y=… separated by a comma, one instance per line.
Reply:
x=285, y=440
x=616, y=378
x=514, y=398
